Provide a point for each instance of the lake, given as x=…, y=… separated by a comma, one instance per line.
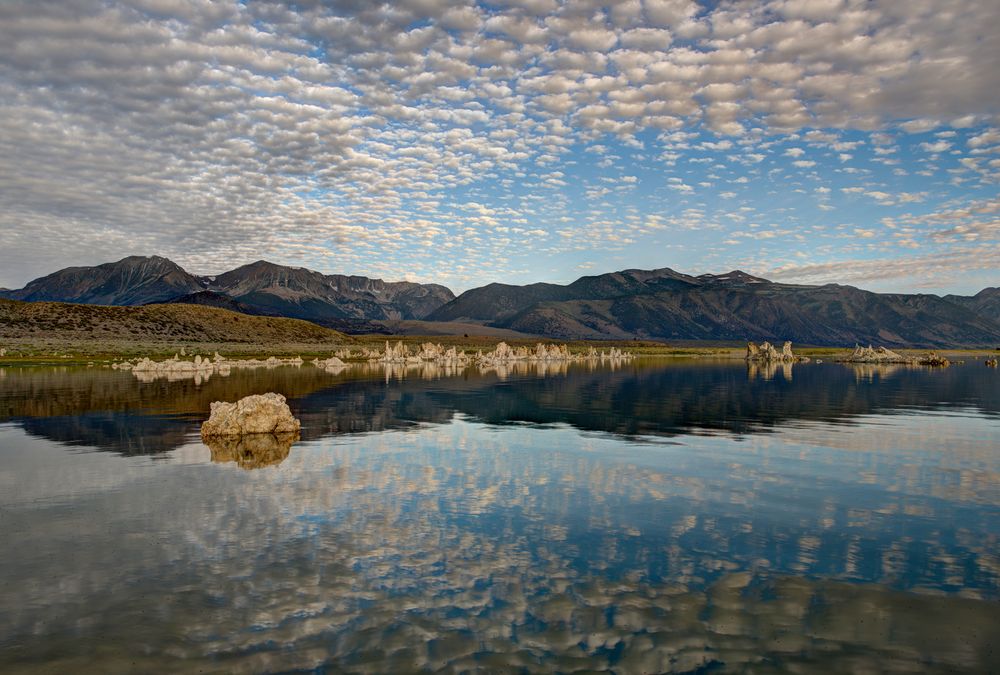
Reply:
x=659, y=516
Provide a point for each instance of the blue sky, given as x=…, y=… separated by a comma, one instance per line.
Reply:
x=806, y=141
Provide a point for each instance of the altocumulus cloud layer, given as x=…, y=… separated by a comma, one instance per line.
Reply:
x=807, y=140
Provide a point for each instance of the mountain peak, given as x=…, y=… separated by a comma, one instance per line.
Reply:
x=266, y=266
x=139, y=259
x=257, y=265
x=133, y=280
x=733, y=277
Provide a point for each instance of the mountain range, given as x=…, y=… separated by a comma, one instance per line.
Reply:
x=659, y=304
x=261, y=288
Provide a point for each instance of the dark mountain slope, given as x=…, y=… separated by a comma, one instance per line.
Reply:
x=733, y=306
x=498, y=302
x=985, y=303
x=218, y=300
x=495, y=302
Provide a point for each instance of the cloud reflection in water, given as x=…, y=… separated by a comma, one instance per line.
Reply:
x=464, y=545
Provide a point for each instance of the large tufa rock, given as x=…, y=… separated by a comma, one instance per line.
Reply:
x=258, y=414
x=396, y=354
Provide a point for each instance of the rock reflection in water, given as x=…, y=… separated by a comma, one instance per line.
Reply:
x=251, y=451
x=431, y=370
x=110, y=409
x=871, y=372
x=766, y=370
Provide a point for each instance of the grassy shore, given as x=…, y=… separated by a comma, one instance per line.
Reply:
x=64, y=350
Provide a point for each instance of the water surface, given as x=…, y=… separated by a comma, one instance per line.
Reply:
x=661, y=516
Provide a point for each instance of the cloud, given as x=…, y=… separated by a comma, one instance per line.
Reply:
x=339, y=135
x=988, y=137
x=938, y=266
x=938, y=146
x=813, y=10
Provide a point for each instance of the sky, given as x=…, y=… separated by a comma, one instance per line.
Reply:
x=463, y=143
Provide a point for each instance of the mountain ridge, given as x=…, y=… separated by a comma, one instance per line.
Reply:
x=261, y=288
x=658, y=304
x=669, y=305
x=307, y=294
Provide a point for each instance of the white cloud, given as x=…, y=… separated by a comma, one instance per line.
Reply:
x=988, y=137
x=589, y=36
x=919, y=126
x=669, y=12
x=938, y=146
x=940, y=267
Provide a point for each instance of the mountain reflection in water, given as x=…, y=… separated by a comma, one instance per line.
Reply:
x=115, y=411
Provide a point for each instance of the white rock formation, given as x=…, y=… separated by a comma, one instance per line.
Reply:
x=332, y=362
x=428, y=353
x=435, y=360
x=257, y=414
x=543, y=353
x=199, y=368
x=766, y=353
x=871, y=354
x=174, y=365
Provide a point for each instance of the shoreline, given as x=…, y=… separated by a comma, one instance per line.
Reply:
x=68, y=351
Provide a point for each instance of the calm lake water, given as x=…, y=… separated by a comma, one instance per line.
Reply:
x=663, y=516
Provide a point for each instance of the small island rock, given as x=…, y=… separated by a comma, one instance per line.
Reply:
x=258, y=414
